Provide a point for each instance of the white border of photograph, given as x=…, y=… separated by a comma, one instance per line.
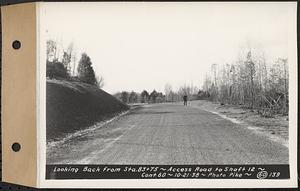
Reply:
x=164, y=183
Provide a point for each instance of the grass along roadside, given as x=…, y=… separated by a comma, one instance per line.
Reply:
x=53, y=143
x=276, y=128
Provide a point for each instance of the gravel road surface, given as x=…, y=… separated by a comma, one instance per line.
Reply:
x=168, y=134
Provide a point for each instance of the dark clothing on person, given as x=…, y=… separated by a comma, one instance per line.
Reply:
x=185, y=100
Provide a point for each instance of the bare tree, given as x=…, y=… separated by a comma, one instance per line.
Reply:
x=51, y=50
x=168, y=92
x=100, y=81
x=284, y=61
x=248, y=81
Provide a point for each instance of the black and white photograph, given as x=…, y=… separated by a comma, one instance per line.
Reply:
x=175, y=85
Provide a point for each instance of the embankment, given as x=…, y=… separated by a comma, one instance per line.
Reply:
x=73, y=106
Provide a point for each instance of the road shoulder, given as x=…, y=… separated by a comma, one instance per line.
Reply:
x=276, y=129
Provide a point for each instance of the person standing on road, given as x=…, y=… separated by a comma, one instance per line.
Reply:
x=185, y=100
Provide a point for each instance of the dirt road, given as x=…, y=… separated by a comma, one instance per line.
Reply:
x=168, y=134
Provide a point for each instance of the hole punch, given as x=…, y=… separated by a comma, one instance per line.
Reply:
x=16, y=147
x=16, y=44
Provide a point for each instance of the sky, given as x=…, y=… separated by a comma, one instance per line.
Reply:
x=137, y=46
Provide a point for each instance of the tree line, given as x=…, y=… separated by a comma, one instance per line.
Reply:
x=143, y=97
x=159, y=97
x=251, y=82
x=61, y=64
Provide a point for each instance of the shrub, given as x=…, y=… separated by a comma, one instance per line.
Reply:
x=56, y=69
